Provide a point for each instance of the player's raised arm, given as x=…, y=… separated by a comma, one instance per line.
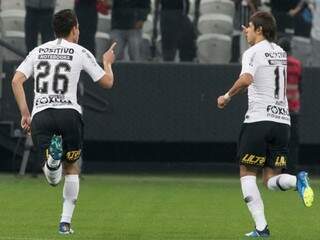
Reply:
x=108, y=58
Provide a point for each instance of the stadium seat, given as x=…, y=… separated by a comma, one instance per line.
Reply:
x=104, y=23
x=13, y=20
x=64, y=4
x=301, y=49
x=103, y=42
x=215, y=23
x=214, y=48
x=16, y=39
x=226, y=7
x=12, y=4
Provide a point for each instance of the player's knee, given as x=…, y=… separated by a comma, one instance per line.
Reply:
x=248, y=199
x=71, y=168
x=72, y=156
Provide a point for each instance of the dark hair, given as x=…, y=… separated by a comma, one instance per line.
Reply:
x=63, y=22
x=268, y=24
x=285, y=43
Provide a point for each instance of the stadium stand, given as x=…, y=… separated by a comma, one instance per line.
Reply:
x=217, y=6
x=102, y=42
x=214, y=48
x=13, y=19
x=301, y=49
x=216, y=28
x=16, y=39
x=63, y=4
x=12, y=4
x=104, y=23
x=215, y=23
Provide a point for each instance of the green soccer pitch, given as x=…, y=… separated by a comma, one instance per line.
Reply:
x=150, y=207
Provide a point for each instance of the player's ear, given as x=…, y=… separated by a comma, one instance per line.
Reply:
x=259, y=30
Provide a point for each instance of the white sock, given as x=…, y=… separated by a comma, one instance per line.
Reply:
x=52, y=163
x=70, y=196
x=253, y=200
x=53, y=176
x=282, y=182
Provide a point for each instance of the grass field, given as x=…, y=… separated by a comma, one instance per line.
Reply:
x=150, y=207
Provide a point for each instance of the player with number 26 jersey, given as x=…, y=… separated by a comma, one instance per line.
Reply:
x=56, y=67
x=56, y=127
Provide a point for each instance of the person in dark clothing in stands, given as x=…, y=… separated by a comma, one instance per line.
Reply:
x=281, y=10
x=38, y=20
x=88, y=20
x=294, y=70
x=177, y=31
x=292, y=14
x=127, y=19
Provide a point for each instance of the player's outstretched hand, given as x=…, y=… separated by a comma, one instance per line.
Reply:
x=108, y=56
x=222, y=101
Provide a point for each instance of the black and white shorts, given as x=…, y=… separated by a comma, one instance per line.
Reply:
x=65, y=122
x=264, y=144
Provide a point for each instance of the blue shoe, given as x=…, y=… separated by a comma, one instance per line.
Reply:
x=55, y=148
x=65, y=228
x=256, y=233
x=303, y=188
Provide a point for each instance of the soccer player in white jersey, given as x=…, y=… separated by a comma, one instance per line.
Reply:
x=56, y=126
x=264, y=137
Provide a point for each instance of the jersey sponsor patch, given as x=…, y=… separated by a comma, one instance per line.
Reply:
x=278, y=112
x=52, y=100
x=55, y=57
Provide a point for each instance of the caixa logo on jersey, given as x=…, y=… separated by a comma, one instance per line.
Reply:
x=52, y=100
x=272, y=109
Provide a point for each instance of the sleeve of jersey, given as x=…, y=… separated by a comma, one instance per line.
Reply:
x=249, y=63
x=91, y=66
x=26, y=67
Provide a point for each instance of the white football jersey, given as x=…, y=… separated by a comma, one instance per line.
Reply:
x=56, y=67
x=267, y=100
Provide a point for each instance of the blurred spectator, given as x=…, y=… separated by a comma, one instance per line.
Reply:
x=38, y=19
x=302, y=15
x=253, y=5
x=177, y=31
x=294, y=71
x=315, y=35
x=280, y=10
x=87, y=14
x=127, y=19
x=243, y=10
